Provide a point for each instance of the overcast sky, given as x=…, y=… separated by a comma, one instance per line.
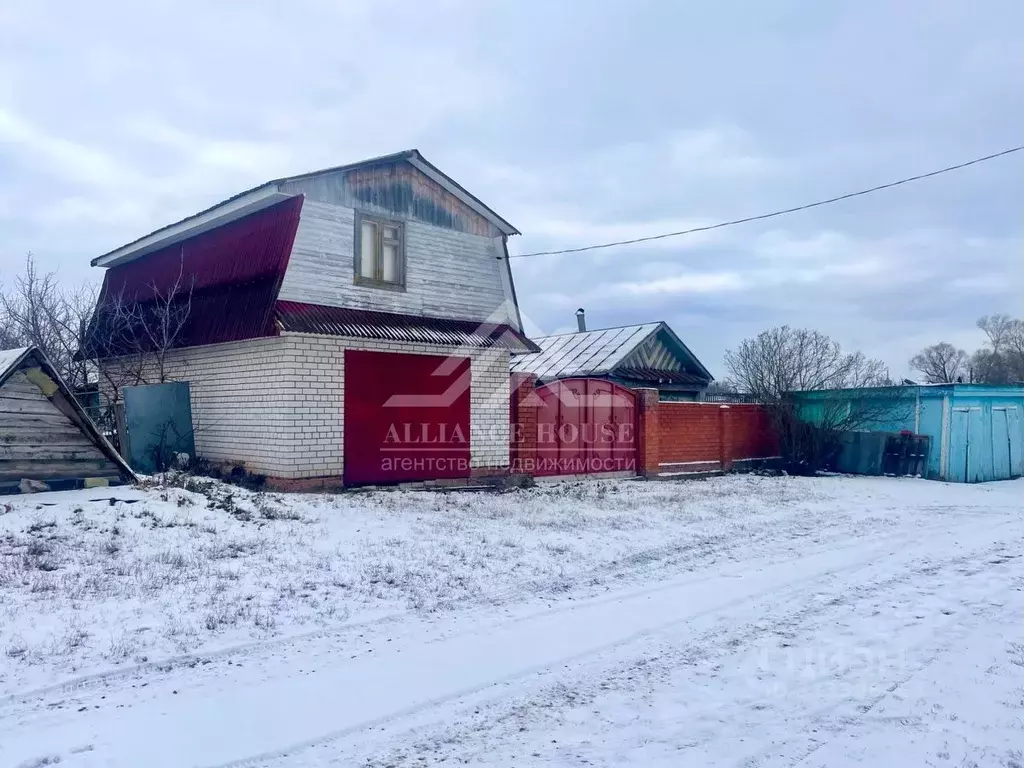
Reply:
x=579, y=123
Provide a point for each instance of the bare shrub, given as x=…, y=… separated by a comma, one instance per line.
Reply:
x=37, y=547
x=172, y=559
x=272, y=509
x=17, y=648
x=123, y=645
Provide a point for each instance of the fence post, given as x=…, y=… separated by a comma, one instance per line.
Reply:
x=725, y=437
x=648, y=460
x=523, y=423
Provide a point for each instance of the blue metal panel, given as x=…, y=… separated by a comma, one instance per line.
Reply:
x=158, y=418
x=970, y=446
x=929, y=422
x=1015, y=431
x=1001, y=446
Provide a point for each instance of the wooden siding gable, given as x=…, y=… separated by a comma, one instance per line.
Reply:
x=664, y=351
x=653, y=353
x=448, y=273
x=44, y=434
x=394, y=189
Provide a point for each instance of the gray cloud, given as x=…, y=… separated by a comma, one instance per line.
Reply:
x=580, y=124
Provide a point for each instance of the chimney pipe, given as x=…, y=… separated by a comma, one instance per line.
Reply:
x=581, y=320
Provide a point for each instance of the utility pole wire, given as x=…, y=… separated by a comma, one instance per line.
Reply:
x=773, y=214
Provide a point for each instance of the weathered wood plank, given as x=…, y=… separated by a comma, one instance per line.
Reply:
x=57, y=472
x=19, y=452
x=8, y=405
x=34, y=420
x=395, y=190
x=22, y=388
x=17, y=469
x=66, y=433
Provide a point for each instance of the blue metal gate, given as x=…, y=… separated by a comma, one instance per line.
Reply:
x=158, y=423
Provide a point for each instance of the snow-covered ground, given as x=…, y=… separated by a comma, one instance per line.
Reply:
x=739, y=621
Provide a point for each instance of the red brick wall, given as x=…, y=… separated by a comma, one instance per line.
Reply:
x=523, y=421
x=649, y=450
x=673, y=437
x=752, y=434
x=710, y=436
x=689, y=432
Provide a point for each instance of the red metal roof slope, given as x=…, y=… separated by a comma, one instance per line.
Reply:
x=296, y=317
x=233, y=272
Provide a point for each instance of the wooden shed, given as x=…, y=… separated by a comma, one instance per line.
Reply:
x=47, y=442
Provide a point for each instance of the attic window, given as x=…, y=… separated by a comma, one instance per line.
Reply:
x=380, y=252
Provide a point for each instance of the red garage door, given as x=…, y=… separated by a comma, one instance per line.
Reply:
x=406, y=417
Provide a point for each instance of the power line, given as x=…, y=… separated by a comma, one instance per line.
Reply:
x=773, y=214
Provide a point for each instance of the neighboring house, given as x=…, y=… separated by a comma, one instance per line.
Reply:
x=976, y=430
x=354, y=323
x=47, y=442
x=648, y=355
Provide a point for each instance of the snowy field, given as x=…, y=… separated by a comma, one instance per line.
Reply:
x=741, y=621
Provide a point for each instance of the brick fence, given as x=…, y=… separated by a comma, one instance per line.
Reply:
x=702, y=437
x=674, y=438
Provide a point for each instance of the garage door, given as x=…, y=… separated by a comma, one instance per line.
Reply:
x=406, y=417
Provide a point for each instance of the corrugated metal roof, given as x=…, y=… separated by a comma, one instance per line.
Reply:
x=296, y=317
x=230, y=274
x=583, y=354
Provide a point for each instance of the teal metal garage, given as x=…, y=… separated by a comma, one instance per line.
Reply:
x=976, y=430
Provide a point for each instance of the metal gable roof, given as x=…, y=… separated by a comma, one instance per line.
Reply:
x=606, y=351
x=586, y=353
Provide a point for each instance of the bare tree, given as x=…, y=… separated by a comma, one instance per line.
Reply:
x=131, y=335
x=999, y=328
x=1001, y=361
x=38, y=311
x=941, y=363
x=782, y=361
x=785, y=359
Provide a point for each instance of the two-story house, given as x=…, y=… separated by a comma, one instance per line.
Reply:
x=354, y=323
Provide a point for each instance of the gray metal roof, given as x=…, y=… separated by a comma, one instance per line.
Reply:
x=583, y=354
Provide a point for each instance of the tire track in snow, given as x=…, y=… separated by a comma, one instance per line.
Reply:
x=791, y=585
x=580, y=691
x=634, y=563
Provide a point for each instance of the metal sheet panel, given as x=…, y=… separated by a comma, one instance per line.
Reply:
x=625, y=352
x=407, y=417
x=159, y=425
x=230, y=275
x=296, y=317
x=585, y=426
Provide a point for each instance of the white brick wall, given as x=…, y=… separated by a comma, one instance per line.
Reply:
x=277, y=405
